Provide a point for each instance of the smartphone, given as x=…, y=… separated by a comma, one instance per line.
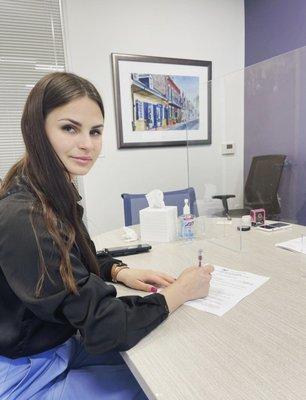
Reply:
x=125, y=250
x=274, y=226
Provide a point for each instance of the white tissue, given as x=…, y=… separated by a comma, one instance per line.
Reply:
x=158, y=222
x=155, y=199
x=129, y=234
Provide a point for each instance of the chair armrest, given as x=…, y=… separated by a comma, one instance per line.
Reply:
x=224, y=198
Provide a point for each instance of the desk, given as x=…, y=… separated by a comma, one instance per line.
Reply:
x=256, y=351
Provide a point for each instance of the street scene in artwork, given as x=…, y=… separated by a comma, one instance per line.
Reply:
x=164, y=102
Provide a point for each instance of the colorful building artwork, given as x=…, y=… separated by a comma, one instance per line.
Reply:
x=161, y=103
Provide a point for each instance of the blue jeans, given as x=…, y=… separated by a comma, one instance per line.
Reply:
x=68, y=372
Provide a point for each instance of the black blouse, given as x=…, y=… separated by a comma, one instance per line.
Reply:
x=30, y=325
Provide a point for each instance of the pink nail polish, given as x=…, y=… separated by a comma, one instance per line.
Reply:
x=153, y=289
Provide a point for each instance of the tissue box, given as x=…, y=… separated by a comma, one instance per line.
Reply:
x=158, y=224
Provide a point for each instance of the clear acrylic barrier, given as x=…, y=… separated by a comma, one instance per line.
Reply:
x=212, y=173
x=217, y=229
x=257, y=111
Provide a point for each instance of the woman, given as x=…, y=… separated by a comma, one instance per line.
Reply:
x=51, y=283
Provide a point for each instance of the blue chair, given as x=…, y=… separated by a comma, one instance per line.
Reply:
x=133, y=203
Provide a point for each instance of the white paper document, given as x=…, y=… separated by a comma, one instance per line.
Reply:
x=227, y=288
x=298, y=245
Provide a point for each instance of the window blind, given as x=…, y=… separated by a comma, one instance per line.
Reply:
x=31, y=45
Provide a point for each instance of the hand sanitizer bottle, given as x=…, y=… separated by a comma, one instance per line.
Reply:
x=186, y=208
x=187, y=222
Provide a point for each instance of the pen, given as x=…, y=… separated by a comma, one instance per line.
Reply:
x=200, y=257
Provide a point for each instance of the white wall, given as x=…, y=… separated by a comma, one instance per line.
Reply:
x=194, y=29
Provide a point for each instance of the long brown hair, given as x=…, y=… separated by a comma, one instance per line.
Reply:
x=46, y=175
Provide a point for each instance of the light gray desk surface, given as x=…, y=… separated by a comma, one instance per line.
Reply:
x=256, y=351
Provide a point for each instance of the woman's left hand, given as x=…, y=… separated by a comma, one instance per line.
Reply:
x=144, y=279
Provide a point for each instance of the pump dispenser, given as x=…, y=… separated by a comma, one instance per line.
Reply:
x=186, y=208
x=187, y=222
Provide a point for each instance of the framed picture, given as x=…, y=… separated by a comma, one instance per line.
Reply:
x=161, y=101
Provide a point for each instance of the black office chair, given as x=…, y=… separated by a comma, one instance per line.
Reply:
x=261, y=187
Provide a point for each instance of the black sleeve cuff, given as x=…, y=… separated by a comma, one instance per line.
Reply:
x=106, y=262
x=160, y=298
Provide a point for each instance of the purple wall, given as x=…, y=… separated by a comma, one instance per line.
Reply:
x=275, y=94
x=273, y=27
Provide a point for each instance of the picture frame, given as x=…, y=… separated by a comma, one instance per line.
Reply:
x=161, y=101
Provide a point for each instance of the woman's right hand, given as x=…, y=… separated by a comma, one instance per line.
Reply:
x=193, y=283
